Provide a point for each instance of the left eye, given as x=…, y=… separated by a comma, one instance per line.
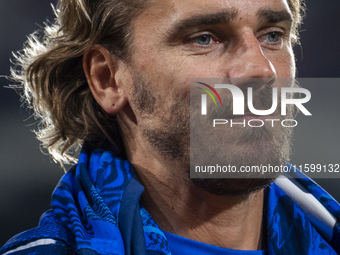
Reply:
x=273, y=37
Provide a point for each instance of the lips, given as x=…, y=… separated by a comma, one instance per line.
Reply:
x=249, y=115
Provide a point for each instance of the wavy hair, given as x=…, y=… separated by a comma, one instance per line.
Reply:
x=297, y=7
x=49, y=70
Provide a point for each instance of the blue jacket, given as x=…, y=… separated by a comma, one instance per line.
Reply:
x=95, y=210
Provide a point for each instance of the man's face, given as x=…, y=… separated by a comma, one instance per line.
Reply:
x=175, y=40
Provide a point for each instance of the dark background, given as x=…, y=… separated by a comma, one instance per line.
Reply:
x=27, y=177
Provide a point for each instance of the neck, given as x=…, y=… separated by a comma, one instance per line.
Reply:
x=233, y=222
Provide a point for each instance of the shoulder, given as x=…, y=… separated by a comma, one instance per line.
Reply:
x=40, y=246
x=50, y=237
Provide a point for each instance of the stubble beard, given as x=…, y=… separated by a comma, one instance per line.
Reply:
x=172, y=140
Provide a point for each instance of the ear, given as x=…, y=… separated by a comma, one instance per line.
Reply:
x=100, y=68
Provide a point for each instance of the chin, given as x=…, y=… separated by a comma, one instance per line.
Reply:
x=232, y=187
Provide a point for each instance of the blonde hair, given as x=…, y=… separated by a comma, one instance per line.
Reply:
x=50, y=72
x=297, y=7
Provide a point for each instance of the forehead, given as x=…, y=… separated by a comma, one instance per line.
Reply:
x=170, y=11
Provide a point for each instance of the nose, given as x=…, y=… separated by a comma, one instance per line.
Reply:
x=250, y=68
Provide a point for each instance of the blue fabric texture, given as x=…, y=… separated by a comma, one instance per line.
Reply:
x=95, y=210
x=181, y=245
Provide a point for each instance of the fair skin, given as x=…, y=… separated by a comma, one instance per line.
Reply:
x=239, y=46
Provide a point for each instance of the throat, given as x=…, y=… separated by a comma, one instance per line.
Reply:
x=234, y=222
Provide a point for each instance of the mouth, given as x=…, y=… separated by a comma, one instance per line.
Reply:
x=250, y=116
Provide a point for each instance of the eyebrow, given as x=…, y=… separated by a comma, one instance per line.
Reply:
x=270, y=16
x=226, y=16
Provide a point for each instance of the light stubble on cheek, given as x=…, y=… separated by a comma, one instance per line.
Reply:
x=169, y=128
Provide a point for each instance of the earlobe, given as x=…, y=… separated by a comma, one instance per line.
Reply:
x=100, y=68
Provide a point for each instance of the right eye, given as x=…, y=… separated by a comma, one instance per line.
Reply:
x=202, y=40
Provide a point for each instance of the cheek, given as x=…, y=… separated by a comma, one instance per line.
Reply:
x=284, y=64
x=168, y=72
